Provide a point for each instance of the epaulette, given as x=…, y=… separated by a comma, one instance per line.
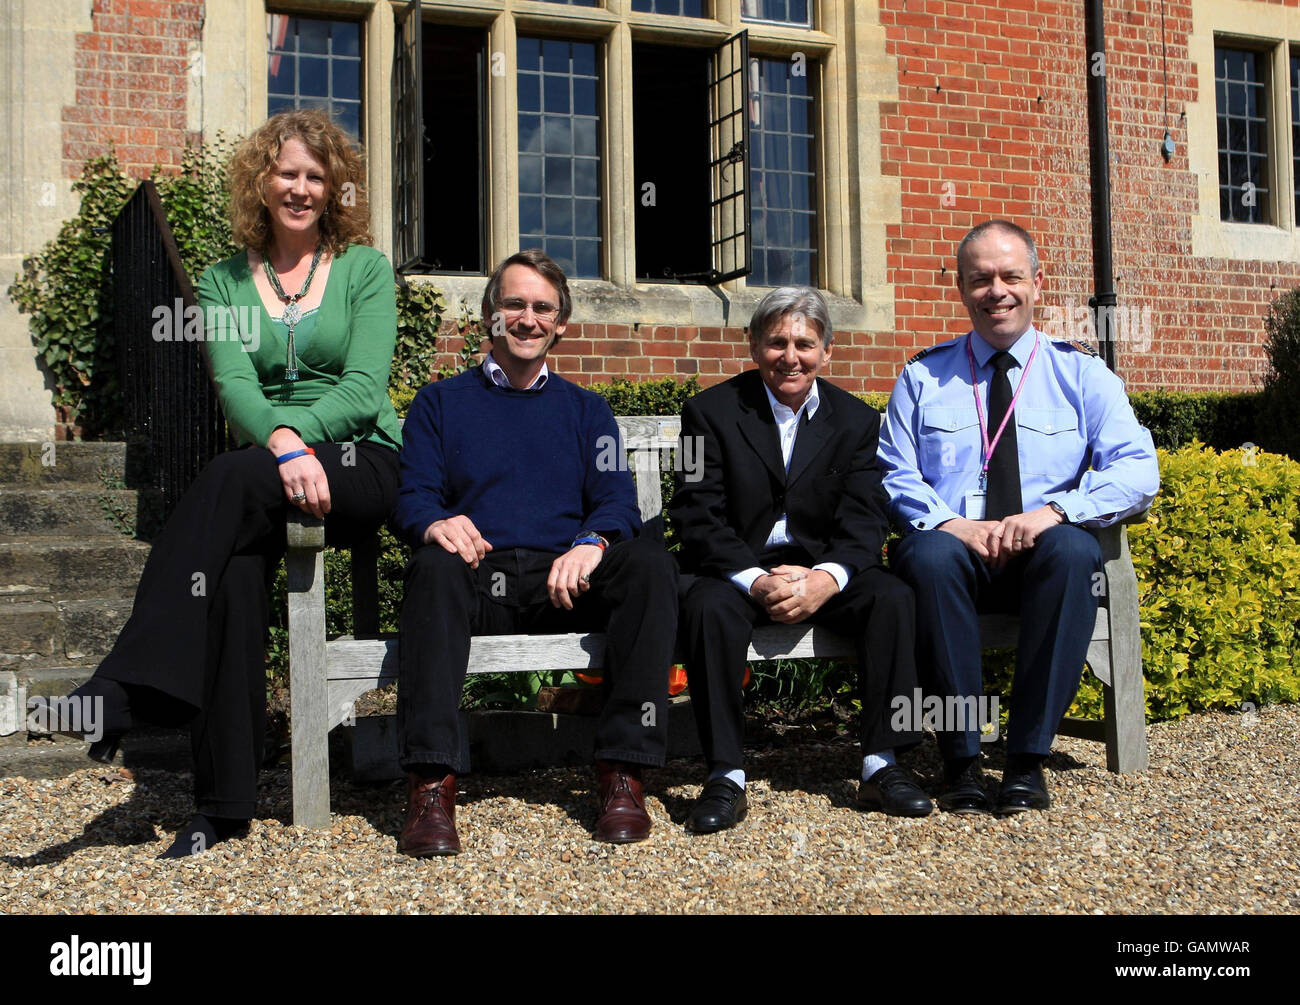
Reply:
x=924, y=353
x=1082, y=347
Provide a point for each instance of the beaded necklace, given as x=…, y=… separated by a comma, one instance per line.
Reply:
x=292, y=312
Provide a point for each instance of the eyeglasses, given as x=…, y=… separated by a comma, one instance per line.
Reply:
x=542, y=310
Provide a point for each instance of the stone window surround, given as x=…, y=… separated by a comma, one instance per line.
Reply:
x=856, y=202
x=1267, y=28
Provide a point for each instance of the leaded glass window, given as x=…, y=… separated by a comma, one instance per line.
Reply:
x=315, y=63
x=559, y=152
x=782, y=173
x=1241, y=98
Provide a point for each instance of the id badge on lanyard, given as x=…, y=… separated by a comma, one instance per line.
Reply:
x=973, y=502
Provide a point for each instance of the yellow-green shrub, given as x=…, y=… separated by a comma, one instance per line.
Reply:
x=1218, y=566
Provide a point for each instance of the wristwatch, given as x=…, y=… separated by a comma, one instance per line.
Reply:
x=590, y=537
x=1060, y=509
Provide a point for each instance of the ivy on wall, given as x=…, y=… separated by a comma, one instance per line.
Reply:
x=67, y=288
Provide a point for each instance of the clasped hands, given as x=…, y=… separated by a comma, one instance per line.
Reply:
x=996, y=542
x=791, y=593
x=570, y=573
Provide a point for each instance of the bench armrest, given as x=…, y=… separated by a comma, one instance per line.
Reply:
x=304, y=532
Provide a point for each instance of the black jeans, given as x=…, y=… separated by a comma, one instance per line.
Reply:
x=633, y=599
x=194, y=647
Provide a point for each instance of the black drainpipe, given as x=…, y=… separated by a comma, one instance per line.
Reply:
x=1103, y=299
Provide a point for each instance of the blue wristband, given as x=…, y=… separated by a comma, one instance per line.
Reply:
x=295, y=453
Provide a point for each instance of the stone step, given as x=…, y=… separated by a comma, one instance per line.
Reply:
x=88, y=628
x=51, y=681
x=10, y=595
x=27, y=630
x=64, y=512
x=54, y=464
x=72, y=568
x=40, y=634
x=19, y=685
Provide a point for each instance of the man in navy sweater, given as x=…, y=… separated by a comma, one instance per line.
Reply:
x=516, y=527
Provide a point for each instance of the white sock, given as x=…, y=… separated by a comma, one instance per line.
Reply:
x=737, y=775
x=872, y=763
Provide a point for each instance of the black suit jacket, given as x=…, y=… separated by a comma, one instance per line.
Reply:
x=833, y=497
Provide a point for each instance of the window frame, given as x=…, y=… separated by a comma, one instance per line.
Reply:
x=1268, y=91
x=1275, y=32
x=853, y=249
x=349, y=17
x=614, y=35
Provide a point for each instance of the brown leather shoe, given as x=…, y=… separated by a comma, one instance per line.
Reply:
x=623, y=818
x=430, y=817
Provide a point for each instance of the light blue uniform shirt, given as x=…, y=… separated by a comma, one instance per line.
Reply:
x=1078, y=441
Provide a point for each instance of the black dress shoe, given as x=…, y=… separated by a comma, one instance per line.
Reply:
x=721, y=806
x=963, y=788
x=1023, y=787
x=892, y=790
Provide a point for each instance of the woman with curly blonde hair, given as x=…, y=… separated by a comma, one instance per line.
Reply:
x=299, y=339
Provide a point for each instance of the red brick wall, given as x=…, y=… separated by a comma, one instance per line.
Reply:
x=590, y=353
x=993, y=99
x=131, y=85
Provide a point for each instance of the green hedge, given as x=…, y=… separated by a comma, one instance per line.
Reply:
x=1279, y=412
x=1218, y=567
x=1219, y=420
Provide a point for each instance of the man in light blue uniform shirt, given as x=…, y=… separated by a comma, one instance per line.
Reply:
x=1007, y=535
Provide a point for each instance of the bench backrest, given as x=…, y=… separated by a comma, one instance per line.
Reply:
x=651, y=440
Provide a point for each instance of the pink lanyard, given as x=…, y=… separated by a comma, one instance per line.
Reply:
x=979, y=407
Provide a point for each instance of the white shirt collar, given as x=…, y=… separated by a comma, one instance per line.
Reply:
x=499, y=378
x=784, y=413
x=1019, y=350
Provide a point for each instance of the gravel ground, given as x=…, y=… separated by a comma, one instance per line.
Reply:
x=1213, y=826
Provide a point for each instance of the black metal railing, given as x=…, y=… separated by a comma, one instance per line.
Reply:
x=169, y=403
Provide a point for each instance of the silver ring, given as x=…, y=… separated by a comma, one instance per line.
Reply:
x=1019, y=539
x=586, y=579
x=299, y=496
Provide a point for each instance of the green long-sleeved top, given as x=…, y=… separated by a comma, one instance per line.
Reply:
x=344, y=350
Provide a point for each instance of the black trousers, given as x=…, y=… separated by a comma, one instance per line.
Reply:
x=1054, y=588
x=876, y=610
x=194, y=648
x=633, y=599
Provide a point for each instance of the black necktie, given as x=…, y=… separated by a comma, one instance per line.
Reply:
x=1004, y=467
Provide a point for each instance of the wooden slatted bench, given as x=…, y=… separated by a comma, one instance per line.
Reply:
x=327, y=676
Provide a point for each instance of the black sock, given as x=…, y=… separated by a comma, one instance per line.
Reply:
x=953, y=769
x=431, y=772
x=202, y=833
x=1024, y=762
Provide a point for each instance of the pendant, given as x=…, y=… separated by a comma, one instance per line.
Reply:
x=292, y=314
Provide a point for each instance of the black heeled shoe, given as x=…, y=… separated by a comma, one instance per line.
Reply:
x=112, y=718
x=104, y=749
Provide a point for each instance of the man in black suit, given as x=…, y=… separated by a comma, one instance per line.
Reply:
x=785, y=521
